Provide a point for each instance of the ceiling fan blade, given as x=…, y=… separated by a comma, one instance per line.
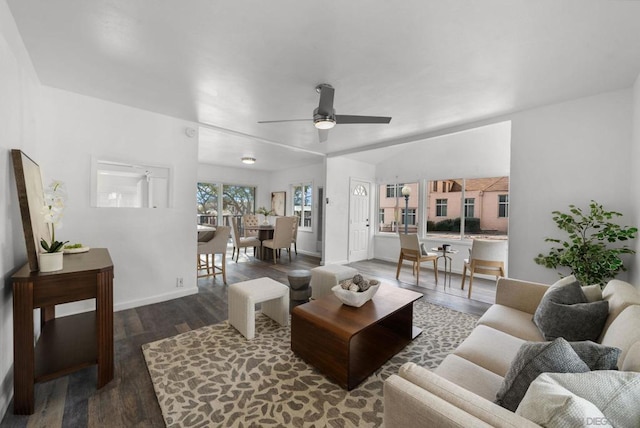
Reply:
x=285, y=120
x=323, y=134
x=325, y=107
x=347, y=118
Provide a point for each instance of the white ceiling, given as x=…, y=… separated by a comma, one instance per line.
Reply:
x=429, y=64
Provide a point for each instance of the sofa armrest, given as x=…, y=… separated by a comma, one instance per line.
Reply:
x=408, y=405
x=517, y=294
x=462, y=399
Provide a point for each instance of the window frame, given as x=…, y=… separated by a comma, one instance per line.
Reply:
x=503, y=206
x=303, y=218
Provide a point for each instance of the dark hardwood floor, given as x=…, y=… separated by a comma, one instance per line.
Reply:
x=129, y=400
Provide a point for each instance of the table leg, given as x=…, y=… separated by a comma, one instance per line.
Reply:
x=23, y=351
x=104, y=320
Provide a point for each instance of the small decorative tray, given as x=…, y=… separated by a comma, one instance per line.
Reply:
x=76, y=250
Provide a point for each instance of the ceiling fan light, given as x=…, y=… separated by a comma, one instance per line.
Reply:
x=248, y=160
x=327, y=123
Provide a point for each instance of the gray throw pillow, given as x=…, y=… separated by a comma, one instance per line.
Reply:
x=564, y=312
x=532, y=359
x=581, y=321
x=596, y=356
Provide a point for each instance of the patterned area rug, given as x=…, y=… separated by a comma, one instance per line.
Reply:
x=212, y=376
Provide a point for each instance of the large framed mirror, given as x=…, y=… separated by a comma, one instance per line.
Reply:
x=31, y=199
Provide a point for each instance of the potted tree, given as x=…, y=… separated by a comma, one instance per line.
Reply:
x=592, y=251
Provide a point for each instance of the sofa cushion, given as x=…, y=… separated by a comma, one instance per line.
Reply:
x=620, y=295
x=564, y=312
x=470, y=376
x=512, y=321
x=593, y=293
x=531, y=360
x=490, y=348
x=631, y=361
x=573, y=397
x=623, y=332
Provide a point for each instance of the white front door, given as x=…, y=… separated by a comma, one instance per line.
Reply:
x=359, y=215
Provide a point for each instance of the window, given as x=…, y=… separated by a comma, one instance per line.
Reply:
x=391, y=207
x=207, y=200
x=302, y=204
x=410, y=216
x=481, y=212
x=503, y=206
x=469, y=207
x=441, y=207
x=394, y=190
x=236, y=201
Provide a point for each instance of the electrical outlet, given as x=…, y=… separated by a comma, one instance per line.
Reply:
x=179, y=282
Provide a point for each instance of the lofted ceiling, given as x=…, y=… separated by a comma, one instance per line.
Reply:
x=431, y=65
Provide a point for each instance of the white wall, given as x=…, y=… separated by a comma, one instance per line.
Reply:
x=480, y=152
x=149, y=247
x=568, y=153
x=283, y=180
x=634, y=270
x=339, y=171
x=19, y=103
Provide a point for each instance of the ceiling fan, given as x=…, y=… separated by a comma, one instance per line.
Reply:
x=325, y=117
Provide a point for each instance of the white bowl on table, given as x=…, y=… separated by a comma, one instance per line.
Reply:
x=354, y=298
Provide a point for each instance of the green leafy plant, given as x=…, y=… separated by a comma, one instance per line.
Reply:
x=590, y=252
x=264, y=211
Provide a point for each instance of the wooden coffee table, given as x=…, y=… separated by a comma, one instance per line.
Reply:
x=348, y=344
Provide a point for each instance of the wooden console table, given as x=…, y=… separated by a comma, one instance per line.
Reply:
x=66, y=344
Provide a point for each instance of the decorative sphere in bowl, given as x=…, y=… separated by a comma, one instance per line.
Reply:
x=354, y=298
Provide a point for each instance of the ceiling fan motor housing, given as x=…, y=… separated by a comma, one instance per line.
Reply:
x=323, y=121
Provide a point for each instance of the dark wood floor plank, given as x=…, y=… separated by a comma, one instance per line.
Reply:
x=129, y=400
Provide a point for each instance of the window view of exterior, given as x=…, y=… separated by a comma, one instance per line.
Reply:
x=207, y=199
x=391, y=209
x=302, y=204
x=485, y=211
x=236, y=201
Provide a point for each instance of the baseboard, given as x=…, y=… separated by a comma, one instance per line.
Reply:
x=335, y=262
x=155, y=299
x=308, y=253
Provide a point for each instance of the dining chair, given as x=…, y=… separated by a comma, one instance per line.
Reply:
x=242, y=242
x=250, y=224
x=282, y=236
x=410, y=251
x=486, y=257
x=294, y=239
x=216, y=245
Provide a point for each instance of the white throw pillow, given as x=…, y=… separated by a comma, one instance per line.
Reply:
x=604, y=398
x=593, y=293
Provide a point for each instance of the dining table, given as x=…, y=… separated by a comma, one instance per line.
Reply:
x=205, y=233
x=264, y=232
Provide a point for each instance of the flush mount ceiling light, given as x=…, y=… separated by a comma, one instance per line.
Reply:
x=248, y=160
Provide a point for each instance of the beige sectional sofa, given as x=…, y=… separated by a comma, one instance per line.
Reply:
x=460, y=392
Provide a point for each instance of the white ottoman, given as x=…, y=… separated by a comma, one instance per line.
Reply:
x=243, y=297
x=323, y=278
